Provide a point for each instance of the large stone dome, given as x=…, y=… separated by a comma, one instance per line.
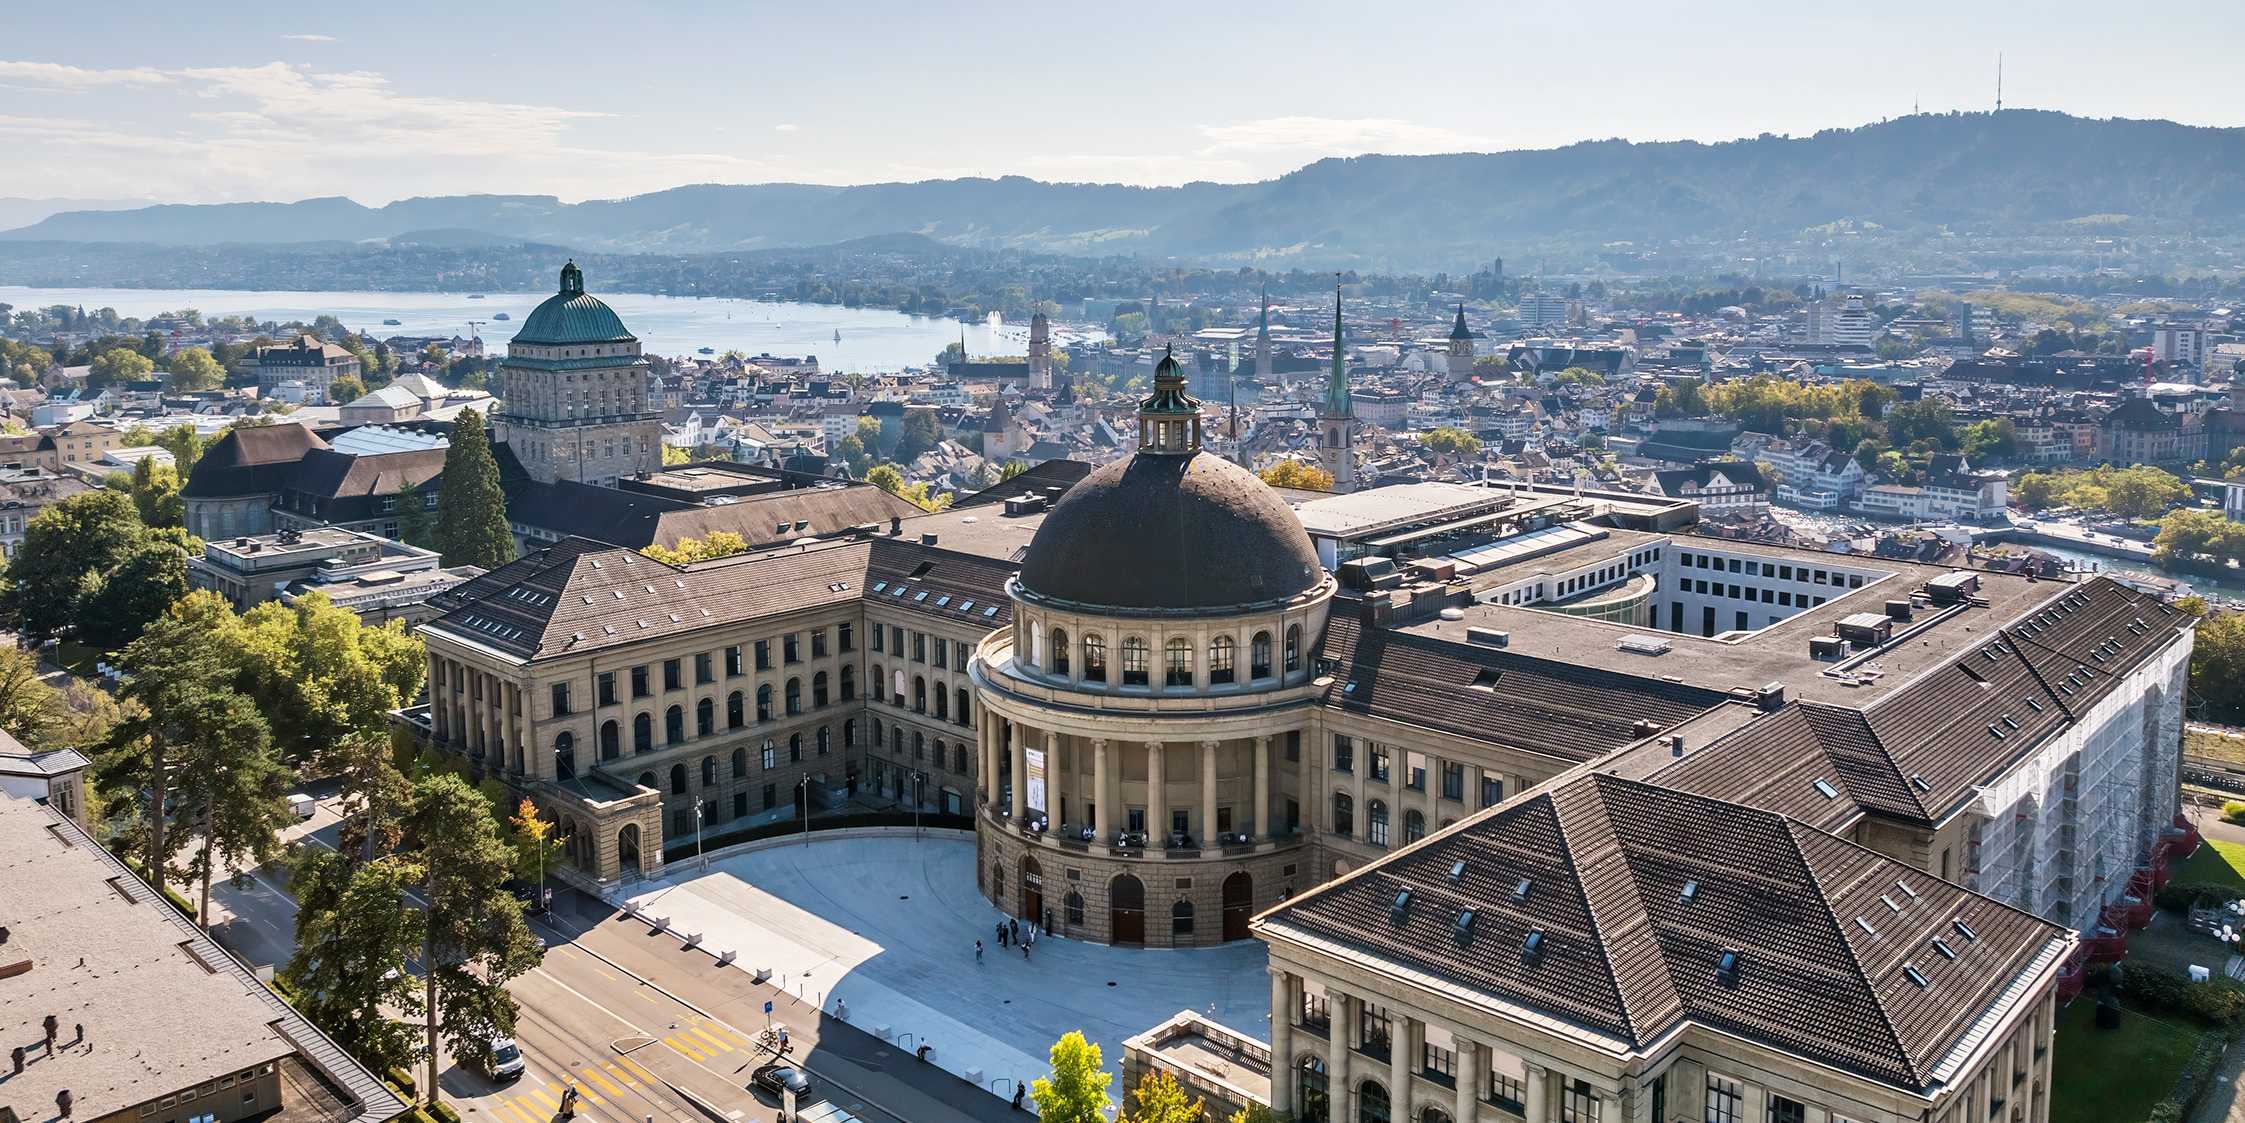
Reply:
x=1192, y=533
x=572, y=315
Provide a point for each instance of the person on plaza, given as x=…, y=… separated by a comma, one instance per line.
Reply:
x=1025, y=952
x=783, y=1041
x=1031, y=938
x=569, y=1100
x=841, y=1011
x=978, y=951
x=1017, y=1091
x=1048, y=922
x=1001, y=933
x=1013, y=928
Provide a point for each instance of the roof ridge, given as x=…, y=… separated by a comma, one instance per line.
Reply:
x=1839, y=932
x=1612, y=974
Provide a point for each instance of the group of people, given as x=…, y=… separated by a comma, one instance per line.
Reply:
x=1011, y=933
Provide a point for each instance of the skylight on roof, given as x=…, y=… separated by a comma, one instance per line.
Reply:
x=1915, y=975
x=1690, y=893
x=1889, y=903
x=1865, y=925
x=1520, y=892
x=880, y=586
x=1942, y=946
x=1904, y=886
x=1965, y=930
x=1825, y=789
x=1401, y=909
x=1462, y=928
x=1532, y=947
x=1457, y=871
x=1726, y=966
x=990, y=611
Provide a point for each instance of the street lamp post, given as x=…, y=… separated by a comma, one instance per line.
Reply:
x=919, y=796
x=698, y=854
x=803, y=800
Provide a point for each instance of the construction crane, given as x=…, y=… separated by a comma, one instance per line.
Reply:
x=477, y=340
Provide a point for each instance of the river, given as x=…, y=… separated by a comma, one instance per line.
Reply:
x=873, y=340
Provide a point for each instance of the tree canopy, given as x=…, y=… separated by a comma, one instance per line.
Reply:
x=2139, y=492
x=1076, y=1092
x=719, y=544
x=1298, y=474
x=192, y=369
x=471, y=509
x=90, y=565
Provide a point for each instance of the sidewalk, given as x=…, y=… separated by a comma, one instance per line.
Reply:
x=841, y=1053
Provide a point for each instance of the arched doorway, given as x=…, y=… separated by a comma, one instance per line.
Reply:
x=1032, y=891
x=1239, y=904
x=1371, y=1103
x=1310, y=1096
x=1432, y=1114
x=1126, y=903
x=627, y=850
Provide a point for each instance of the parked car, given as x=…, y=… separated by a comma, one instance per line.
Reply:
x=503, y=1061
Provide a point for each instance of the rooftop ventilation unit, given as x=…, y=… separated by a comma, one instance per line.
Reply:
x=1952, y=588
x=1488, y=637
x=1643, y=645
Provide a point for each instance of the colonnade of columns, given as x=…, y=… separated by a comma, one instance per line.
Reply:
x=480, y=712
x=1004, y=748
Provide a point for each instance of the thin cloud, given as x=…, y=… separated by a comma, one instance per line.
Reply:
x=58, y=76
x=785, y=128
x=1337, y=136
x=310, y=37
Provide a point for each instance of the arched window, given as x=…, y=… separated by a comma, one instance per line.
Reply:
x=1293, y=648
x=1058, y=660
x=1310, y=1095
x=764, y=702
x=961, y=712
x=643, y=733
x=1220, y=660
x=1134, y=661
x=709, y=771
x=794, y=696
x=1075, y=909
x=610, y=742
x=1259, y=656
x=825, y=740
x=647, y=780
x=896, y=740
x=1344, y=814
x=1371, y=1103
x=674, y=725
x=1095, y=658
x=1181, y=919
x=736, y=714
x=795, y=748
x=1376, y=822
x=564, y=755
x=740, y=764
x=1414, y=826
x=877, y=689
x=705, y=717
x=919, y=694
x=959, y=758
x=935, y=748
x=1433, y=1114
x=1177, y=667
x=942, y=703
x=849, y=682
x=849, y=733
x=678, y=779
x=818, y=691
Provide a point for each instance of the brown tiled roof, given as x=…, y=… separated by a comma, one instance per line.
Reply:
x=1919, y=752
x=1625, y=951
x=636, y=519
x=1564, y=710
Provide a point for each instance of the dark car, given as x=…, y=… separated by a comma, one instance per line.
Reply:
x=772, y=1079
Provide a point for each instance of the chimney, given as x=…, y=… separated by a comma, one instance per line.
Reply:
x=896, y=526
x=1676, y=745
x=927, y=539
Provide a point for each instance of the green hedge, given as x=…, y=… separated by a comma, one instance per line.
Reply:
x=2195, y=1080
x=403, y=1082
x=444, y=1112
x=929, y=819
x=2219, y=1003
x=2182, y=896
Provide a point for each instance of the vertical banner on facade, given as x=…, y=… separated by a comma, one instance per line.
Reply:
x=1036, y=760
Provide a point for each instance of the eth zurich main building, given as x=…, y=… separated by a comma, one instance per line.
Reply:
x=1547, y=808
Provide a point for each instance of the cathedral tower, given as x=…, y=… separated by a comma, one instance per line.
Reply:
x=1336, y=419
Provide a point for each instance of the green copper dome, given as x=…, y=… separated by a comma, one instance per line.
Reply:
x=572, y=316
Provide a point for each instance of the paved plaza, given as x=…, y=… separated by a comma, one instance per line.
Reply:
x=888, y=922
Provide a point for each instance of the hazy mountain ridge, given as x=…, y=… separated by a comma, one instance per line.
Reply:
x=2019, y=170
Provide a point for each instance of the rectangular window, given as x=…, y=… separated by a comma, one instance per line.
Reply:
x=705, y=669
x=789, y=651
x=942, y=653
x=1376, y=757
x=878, y=635
x=845, y=637
x=896, y=640
x=561, y=699
x=919, y=647
x=1317, y=1009
x=639, y=682
x=1415, y=771
x=1438, y=1062
x=962, y=653
x=733, y=661
x=1578, y=1103
x=818, y=643
x=771, y=796
x=1492, y=791
x=1722, y=1099
x=1507, y=1089
x=1453, y=781
x=673, y=675
x=1782, y=1110
x=1344, y=754
x=1374, y=1032
x=763, y=655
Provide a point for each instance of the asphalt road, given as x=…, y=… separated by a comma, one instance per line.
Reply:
x=645, y=1029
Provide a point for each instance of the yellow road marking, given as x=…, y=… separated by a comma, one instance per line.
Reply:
x=524, y=1116
x=720, y=1045
x=604, y=971
x=593, y=1074
x=539, y=1096
x=647, y=998
x=691, y=1052
x=726, y=1032
x=627, y=1079
x=636, y=1070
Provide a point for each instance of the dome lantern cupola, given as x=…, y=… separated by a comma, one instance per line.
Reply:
x=572, y=279
x=1169, y=418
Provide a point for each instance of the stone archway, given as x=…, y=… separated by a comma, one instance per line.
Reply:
x=1126, y=906
x=628, y=860
x=1032, y=891
x=1239, y=904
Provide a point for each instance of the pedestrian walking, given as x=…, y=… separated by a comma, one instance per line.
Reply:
x=978, y=951
x=783, y=1041
x=1048, y=922
x=1017, y=1091
x=1030, y=939
x=841, y=1011
x=1001, y=933
x=1024, y=953
x=1013, y=928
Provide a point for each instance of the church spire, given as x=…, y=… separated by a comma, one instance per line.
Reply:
x=1337, y=382
x=1263, y=323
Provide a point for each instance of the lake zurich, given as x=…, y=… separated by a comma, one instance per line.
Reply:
x=873, y=340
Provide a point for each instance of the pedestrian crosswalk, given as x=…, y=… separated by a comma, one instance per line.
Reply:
x=537, y=1101
x=705, y=1040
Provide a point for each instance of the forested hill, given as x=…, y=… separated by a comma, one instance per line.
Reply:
x=2017, y=172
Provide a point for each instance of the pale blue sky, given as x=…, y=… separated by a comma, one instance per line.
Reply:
x=230, y=101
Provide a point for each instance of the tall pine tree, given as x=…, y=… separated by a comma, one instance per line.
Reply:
x=471, y=510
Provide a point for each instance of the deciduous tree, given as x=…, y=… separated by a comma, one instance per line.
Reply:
x=1298, y=474
x=1158, y=1099
x=1076, y=1092
x=193, y=369
x=356, y=929
x=473, y=937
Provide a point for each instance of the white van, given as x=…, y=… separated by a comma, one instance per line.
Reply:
x=302, y=806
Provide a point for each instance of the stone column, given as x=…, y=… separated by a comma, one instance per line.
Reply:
x=1282, y=1044
x=1157, y=799
x=1020, y=773
x=986, y=736
x=1207, y=826
x=1359, y=765
x=1342, y=1009
x=1262, y=809
x=1539, y=1096
x=1102, y=812
x=1469, y=1077
x=1753, y=1101
x=1402, y=1047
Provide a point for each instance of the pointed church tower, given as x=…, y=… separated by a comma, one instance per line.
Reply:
x=1336, y=421
x=1263, y=338
x=1040, y=352
x=1461, y=349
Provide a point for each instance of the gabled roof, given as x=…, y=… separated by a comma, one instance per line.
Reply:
x=1572, y=712
x=1636, y=892
x=250, y=459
